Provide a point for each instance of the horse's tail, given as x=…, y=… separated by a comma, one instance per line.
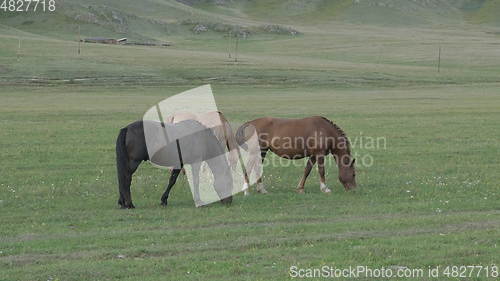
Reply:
x=240, y=136
x=225, y=135
x=122, y=161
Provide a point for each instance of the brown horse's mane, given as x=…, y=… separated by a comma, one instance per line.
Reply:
x=341, y=132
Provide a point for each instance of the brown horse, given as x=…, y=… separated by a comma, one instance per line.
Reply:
x=313, y=137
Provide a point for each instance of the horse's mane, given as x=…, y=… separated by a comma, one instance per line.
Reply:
x=341, y=132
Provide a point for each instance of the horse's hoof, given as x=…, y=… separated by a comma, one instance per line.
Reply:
x=164, y=204
x=227, y=200
x=122, y=204
x=125, y=205
x=300, y=190
x=326, y=190
x=245, y=189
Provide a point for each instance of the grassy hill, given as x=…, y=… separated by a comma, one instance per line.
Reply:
x=156, y=20
x=378, y=12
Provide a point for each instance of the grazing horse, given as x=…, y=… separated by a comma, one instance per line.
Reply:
x=312, y=137
x=222, y=130
x=202, y=145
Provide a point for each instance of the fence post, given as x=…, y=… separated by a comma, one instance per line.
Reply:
x=79, y=40
x=236, y=48
x=439, y=59
x=19, y=49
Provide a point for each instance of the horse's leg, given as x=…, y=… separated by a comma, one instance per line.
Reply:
x=171, y=182
x=260, y=185
x=125, y=197
x=321, y=171
x=246, y=180
x=196, y=168
x=251, y=165
x=223, y=180
x=309, y=165
x=248, y=172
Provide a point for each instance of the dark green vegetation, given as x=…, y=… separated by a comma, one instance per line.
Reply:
x=430, y=198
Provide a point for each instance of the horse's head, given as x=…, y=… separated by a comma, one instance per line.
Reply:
x=347, y=175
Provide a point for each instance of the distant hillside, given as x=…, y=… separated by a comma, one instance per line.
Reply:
x=394, y=12
x=482, y=11
x=151, y=20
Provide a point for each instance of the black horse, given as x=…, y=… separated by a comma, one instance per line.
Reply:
x=192, y=148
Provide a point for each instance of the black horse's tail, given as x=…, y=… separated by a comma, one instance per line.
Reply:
x=240, y=136
x=122, y=163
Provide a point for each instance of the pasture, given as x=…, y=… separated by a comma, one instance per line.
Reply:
x=429, y=197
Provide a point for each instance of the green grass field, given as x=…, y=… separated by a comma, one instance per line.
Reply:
x=430, y=197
